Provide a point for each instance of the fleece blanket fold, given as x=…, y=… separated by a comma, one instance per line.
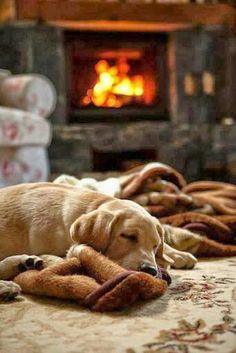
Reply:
x=203, y=207
x=221, y=196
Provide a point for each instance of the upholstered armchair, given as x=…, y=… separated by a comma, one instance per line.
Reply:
x=25, y=103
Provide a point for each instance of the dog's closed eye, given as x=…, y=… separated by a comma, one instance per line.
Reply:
x=131, y=237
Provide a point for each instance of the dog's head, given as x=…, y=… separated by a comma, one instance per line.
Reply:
x=125, y=232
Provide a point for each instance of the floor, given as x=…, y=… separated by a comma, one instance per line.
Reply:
x=198, y=314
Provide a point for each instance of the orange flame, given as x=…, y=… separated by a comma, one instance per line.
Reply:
x=114, y=87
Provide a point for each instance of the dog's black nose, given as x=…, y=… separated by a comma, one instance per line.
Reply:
x=148, y=269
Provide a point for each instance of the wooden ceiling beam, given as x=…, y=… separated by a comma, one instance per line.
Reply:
x=7, y=10
x=75, y=10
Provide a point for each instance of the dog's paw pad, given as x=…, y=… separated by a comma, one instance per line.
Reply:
x=8, y=290
x=30, y=262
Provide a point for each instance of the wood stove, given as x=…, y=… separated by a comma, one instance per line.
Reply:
x=114, y=76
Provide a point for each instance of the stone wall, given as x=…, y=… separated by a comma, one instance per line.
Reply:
x=206, y=152
x=35, y=48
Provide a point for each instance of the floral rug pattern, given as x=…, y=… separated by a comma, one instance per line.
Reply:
x=198, y=314
x=207, y=292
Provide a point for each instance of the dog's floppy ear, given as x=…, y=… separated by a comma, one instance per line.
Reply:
x=93, y=229
x=163, y=258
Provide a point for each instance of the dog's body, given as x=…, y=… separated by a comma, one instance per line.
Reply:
x=36, y=218
x=47, y=218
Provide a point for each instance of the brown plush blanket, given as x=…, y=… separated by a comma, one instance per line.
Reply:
x=204, y=207
x=94, y=281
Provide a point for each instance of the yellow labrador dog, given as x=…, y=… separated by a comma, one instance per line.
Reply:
x=47, y=218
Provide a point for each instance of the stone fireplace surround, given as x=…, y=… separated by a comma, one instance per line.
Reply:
x=199, y=137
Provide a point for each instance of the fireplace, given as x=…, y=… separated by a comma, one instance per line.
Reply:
x=114, y=76
x=183, y=121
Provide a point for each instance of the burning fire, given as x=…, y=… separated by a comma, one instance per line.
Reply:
x=114, y=87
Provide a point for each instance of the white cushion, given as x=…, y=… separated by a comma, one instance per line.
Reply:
x=31, y=92
x=22, y=128
x=23, y=165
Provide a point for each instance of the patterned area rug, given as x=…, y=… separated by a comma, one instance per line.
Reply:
x=198, y=314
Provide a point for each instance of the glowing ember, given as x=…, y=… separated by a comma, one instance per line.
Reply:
x=114, y=87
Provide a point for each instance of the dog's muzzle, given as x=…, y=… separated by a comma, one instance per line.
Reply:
x=159, y=272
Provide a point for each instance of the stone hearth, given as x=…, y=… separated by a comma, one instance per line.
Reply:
x=208, y=152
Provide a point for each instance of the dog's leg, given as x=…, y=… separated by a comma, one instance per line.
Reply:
x=8, y=290
x=49, y=260
x=180, y=244
x=13, y=265
x=181, y=239
x=196, y=244
x=10, y=267
x=181, y=259
x=75, y=250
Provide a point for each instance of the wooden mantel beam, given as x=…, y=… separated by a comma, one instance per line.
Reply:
x=7, y=10
x=75, y=10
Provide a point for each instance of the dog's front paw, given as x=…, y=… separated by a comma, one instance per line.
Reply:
x=183, y=260
x=75, y=250
x=8, y=290
x=30, y=262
